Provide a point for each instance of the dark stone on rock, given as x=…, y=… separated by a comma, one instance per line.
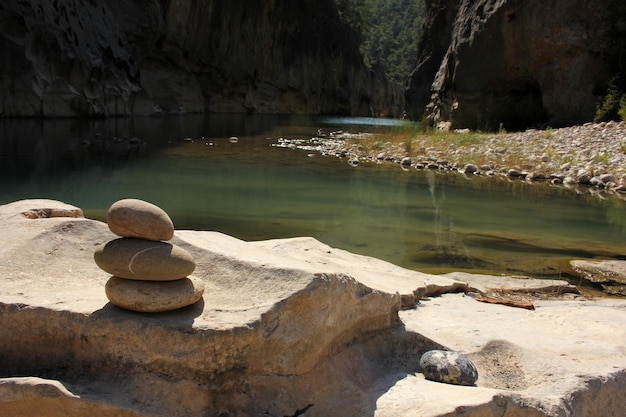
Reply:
x=535, y=176
x=406, y=161
x=583, y=176
x=470, y=168
x=607, y=178
x=449, y=367
x=514, y=173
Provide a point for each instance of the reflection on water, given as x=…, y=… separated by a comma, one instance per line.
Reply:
x=423, y=220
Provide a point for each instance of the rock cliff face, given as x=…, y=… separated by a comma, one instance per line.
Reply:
x=516, y=62
x=106, y=58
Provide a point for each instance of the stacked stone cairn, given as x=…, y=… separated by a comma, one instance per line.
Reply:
x=150, y=275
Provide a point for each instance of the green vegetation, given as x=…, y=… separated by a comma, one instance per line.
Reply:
x=613, y=106
x=622, y=107
x=548, y=132
x=413, y=139
x=392, y=34
x=604, y=157
x=355, y=13
x=390, y=31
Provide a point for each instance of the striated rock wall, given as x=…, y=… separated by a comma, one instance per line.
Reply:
x=108, y=58
x=513, y=62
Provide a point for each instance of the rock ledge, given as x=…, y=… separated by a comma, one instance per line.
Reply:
x=286, y=327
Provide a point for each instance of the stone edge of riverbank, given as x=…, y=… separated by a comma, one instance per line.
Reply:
x=588, y=158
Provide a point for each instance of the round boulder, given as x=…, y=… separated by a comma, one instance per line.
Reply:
x=470, y=168
x=449, y=367
x=153, y=297
x=145, y=260
x=137, y=218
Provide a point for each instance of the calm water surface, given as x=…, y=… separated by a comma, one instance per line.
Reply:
x=250, y=189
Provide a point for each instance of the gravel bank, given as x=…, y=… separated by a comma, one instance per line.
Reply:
x=591, y=157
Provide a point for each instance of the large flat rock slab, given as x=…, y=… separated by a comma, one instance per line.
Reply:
x=548, y=362
x=611, y=275
x=285, y=327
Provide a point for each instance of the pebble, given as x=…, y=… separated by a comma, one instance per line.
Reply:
x=137, y=218
x=153, y=297
x=140, y=259
x=514, y=173
x=535, y=176
x=470, y=168
x=606, y=178
x=583, y=176
x=449, y=367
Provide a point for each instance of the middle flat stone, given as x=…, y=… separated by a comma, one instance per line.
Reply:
x=144, y=260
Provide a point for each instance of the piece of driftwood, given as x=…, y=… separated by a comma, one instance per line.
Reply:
x=511, y=303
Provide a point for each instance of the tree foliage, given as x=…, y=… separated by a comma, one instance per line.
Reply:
x=390, y=31
x=392, y=35
x=613, y=105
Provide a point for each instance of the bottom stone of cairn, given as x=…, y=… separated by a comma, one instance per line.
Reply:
x=153, y=296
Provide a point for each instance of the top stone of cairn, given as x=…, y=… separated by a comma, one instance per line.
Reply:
x=139, y=219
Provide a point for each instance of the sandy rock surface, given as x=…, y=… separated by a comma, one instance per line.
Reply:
x=286, y=327
x=610, y=274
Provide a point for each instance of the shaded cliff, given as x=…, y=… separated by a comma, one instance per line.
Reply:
x=104, y=58
x=518, y=63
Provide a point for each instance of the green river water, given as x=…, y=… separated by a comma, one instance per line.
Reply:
x=424, y=220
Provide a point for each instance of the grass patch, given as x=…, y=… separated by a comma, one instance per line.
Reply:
x=548, y=132
x=458, y=148
x=604, y=157
x=411, y=141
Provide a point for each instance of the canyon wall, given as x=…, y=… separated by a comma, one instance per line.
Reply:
x=64, y=58
x=515, y=63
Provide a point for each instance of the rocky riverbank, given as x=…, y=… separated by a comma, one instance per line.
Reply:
x=588, y=158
